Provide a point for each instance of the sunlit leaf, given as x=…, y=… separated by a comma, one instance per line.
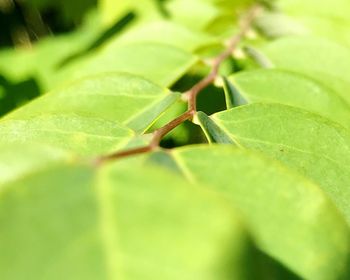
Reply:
x=74, y=222
x=310, y=144
x=92, y=116
x=290, y=218
x=166, y=32
x=160, y=63
x=321, y=59
x=290, y=89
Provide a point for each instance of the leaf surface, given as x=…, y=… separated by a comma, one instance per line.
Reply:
x=277, y=24
x=317, y=8
x=289, y=217
x=323, y=60
x=118, y=222
x=92, y=116
x=19, y=161
x=314, y=146
x=161, y=63
x=291, y=89
x=166, y=32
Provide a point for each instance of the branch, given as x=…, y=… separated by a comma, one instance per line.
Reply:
x=157, y=137
x=191, y=94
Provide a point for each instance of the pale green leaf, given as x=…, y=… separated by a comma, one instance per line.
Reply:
x=195, y=14
x=81, y=134
x=289, y=217
x=218, y=17
x=276, y=24
x=92, y=116
x=290, y=89
x=326, y=8
x=166, y=32
x=305, y=21
x=17, y=161
x=314, y=146
x=335, y=29
x=163, y=64
x=113, y=10
x=320, y=59
x=118, y=222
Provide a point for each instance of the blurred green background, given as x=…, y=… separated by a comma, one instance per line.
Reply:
x=40, y=37
x=26, y=21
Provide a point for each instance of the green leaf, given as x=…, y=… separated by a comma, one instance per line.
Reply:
x=314, y=146
x=233, y=96
x=335, y=29
x=320, y=59
x=289, y=217
x=166, y=32
x=160, y=63
x=204, y=14
x=81, y=134
x=118, y=222
x=195, y=14
x=18, y=161
x=213, y=133
x=290, y=89
x=326, y=8
x=92, y=116
x=276, y=24
x=113, y=10
x=11, y=66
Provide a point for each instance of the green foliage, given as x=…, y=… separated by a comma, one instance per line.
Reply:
x=87, y=189
x=317, y=58
x=298, y=138
x=278, y=205
x=290, y=88
x=100, y=222
x=90, y=117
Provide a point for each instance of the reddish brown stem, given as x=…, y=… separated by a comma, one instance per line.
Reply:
x=154, y=144
x=158, y=134
x=161, y=132
x=125, y=153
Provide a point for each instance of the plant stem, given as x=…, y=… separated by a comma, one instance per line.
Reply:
x=192, y=93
